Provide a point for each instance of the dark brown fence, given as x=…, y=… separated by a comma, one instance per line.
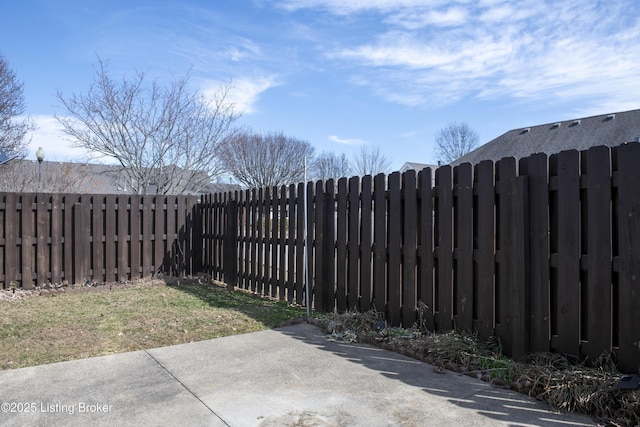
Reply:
x=52, y=238
x=543, y=253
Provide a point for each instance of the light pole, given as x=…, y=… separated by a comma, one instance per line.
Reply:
x=40, y=157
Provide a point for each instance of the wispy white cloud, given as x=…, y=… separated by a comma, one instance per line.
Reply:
x=413, y=20
x=347, y=141
x=242, y=49
x=244, y=92
x=540, y=50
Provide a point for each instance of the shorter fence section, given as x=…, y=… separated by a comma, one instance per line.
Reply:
x=53, y=238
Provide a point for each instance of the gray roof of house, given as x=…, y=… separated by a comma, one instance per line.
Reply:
x=580, y=134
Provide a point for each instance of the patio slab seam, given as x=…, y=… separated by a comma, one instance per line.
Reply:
x=186, y=388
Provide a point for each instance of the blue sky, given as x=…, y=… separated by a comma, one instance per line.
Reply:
x=341, y=73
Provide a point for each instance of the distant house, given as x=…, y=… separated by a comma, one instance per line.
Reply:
x=89, y=178
x=580, y=134
x=416, y=167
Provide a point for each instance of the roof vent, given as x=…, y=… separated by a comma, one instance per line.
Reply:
x=525, y=130
x=556, y=125
x=609, y=117
x=575, y=123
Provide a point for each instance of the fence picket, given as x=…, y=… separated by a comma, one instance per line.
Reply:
x=425, y=250
x=300, y=244
x=291, y=244
x=444, y=249
x=56, y=239
x=282, y=243
x=11, y=248
x=341, y=247
x=328, y=247
x=628, y=297
x=81, y=232
x=147, y=244
x=275, y=226
x=565, y=253
x=535, y=168
x=42, y=234
x=463, y=250
x=26, y=249
x=366, y=241
x=353, y=244
x=505, y=173
x=254, y=239
x=134, y=241
x=311, y=244
x=409, y=244
x=484, y=242
x=394, y=251
x=244, y=241
x=598, y=313
x=379, y=244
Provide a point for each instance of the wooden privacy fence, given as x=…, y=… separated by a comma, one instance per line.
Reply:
x=543, y=253
x=52, y=238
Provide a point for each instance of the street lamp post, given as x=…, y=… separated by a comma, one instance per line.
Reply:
x=40, y=157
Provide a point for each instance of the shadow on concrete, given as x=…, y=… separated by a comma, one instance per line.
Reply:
x=496, y=403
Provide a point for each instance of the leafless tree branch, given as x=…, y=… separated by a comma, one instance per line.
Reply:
x=166, y=138
x=455, y=140
x=265, y=160
x=370, y=161
x=13, y=130
x=329, y=165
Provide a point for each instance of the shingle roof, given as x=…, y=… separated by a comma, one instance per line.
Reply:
x=580, y=134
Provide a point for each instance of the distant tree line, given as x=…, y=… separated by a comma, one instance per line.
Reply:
x=172, y=139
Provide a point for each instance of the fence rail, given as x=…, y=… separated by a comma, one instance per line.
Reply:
x=53, y=238
x=543, y=253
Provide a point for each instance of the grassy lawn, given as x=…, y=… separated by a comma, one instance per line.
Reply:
x=38, y=330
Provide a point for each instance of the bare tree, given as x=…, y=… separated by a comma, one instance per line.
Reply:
x=13, y=130
x=370, y=161
x=265, y=160
x=329, y=165
x=165, y=139
x=455, y=140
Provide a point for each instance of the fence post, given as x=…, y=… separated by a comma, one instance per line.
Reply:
x=230, y=255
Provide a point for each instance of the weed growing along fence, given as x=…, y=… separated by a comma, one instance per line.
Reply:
x=543, y=253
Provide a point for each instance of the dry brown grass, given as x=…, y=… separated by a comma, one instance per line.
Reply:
x=36, y=330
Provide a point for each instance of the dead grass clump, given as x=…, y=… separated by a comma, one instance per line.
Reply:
x=575, y=387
